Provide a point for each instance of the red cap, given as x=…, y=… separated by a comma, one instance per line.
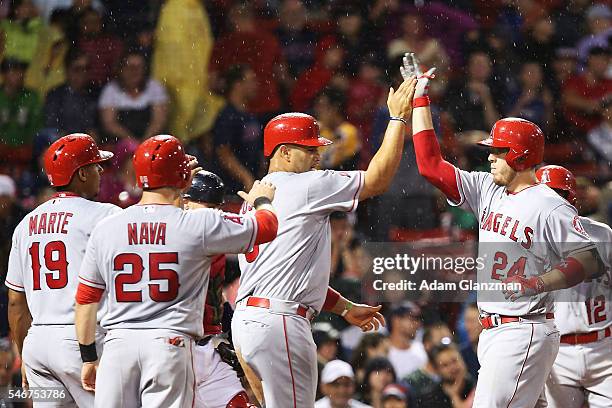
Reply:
x=558, y=178
x=160, y=161
x=292, y=128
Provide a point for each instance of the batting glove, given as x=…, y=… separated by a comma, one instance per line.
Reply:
x=528, y=287
x=410, y=67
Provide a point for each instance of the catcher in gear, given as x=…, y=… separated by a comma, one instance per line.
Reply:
x=217, y=368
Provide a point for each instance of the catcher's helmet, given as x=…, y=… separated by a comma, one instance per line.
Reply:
x=524, y=139
x=292, y=128
x=69, y=153
x=558, y=178
x=160, y=161
x=206, y=187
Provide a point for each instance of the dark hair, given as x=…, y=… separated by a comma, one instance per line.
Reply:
x=234, y=74
x=428, y=332
x=439, y=349
x=375, y=364
x=13, y=63
x=336, y=98
x=596, y=51
x=123, y=62
x=360, y=355
x=72, y=55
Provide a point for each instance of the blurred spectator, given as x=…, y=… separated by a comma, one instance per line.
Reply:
x=540, y=44
x=327, y=340
x=338, y=384
x=584, y=94
x=532, y=100
x=11, y=214
x=119, y=182
x=473, y=328
x=181, y=59
x=599, y=20
x=296, y=39
x=134, y=105
x=46, y=71
x=47, y=7
x=103, y=49
x=237, y=133
x=569, y=21
x=430, y=52
x=379, y=373
x=317, y=77
x=588, y=199
x=406, y=353
x=395, y=396
x=371, y=345
x=457, y=384
x=71, y=107
x=600, y=137
x=342, y=234
x=20, y=108
x=21, y=32
x=249, y=45
x=7, y=362
x=329, y=109
x=470, y=101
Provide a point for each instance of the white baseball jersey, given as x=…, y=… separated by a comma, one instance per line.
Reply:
x=48, y=247
x=524, y=233
x=586, y=307
x=154, y=262
x=296, y=265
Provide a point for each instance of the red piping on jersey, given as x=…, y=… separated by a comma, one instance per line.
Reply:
x=432, y=165
x=267, y=226
x=516, y=192
x=522, y=367
x=289, y=359
x=356, y=192
x=193, y=387
x=86, y=295
x=88, y=281
x=11, y=283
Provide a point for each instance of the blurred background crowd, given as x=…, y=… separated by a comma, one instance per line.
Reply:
x=213, y=72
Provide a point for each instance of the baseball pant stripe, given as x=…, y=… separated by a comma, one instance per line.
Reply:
x=194, y=374
x=522, y=367
x=289, y=359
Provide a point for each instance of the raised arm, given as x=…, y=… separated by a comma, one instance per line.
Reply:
x=430, y=162
x=385, y=162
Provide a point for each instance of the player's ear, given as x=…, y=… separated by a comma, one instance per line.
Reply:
x=81, y=173
x=285, y=153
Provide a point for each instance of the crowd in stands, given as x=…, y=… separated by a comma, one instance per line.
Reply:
x=213, y=72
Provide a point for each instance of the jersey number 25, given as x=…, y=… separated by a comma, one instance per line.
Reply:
x=135, y=263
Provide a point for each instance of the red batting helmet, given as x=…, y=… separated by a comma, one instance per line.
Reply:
x=160, y=161
x=69, y=153
x=558, y=178
x=292, y=128
x=524, y=139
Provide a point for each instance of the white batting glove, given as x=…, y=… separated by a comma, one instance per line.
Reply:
x=410, y=67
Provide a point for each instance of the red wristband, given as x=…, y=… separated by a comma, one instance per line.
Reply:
x=330, y=299
x=573, y=271
x=420, y=101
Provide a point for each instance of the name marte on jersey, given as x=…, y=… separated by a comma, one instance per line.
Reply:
x=146, y=233
x=507, y=226
x=49, y=223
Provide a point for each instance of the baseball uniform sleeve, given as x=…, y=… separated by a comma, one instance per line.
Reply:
x=565, y=233
x=330, y=191
x=89, y=274
x=14, y=276
x=228, y=233
x=472, y=185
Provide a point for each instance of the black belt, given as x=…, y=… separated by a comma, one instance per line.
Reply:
x=204, y=341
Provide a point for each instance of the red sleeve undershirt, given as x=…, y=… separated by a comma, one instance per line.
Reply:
x=88, y=294
x=330, y=299
x=433, y=167
x=267, y=226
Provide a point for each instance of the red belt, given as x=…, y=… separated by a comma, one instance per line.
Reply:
x=265, y=303
x=494, y=320
x=583, y=338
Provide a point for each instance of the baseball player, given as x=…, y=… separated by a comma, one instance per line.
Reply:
x=284, y=284
x=48, y=247
x=217, y=384
x=152, y=262
x=522, y=227
x=584, y=318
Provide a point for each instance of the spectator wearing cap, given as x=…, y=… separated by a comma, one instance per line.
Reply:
x=237, y=133
x=330, y=111
x=71, y=107
x=584, y=94
x=378, y=374
x=599, y=22
x=406, y=353
x=20, y=113
x=338, y=384
x=395, y=396
x=11, y=214
x=21, y=31
x=600, y=137
x=134, y=105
